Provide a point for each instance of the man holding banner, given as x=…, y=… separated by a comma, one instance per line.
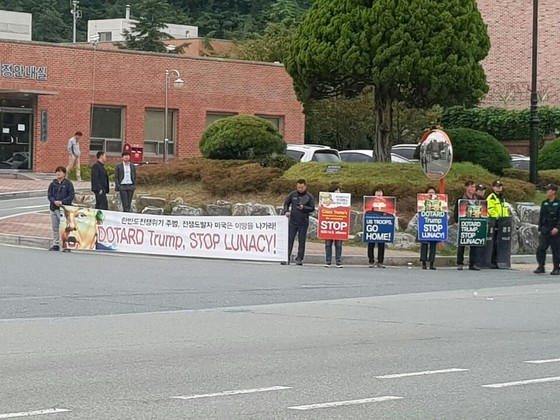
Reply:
x=468, y=196
x=379, y=225
x=432, y=224
x=334, y=222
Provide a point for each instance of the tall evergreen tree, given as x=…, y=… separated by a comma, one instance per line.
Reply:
x=148, y=33
x=419, y=52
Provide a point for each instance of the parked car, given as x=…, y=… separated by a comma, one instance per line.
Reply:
x=520, y=162
x=367, y=156
x=312, y=153
x=19, y=160
x=407, y=151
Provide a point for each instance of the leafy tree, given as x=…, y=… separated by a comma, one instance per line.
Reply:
x=147, y=33
x=418, y=52
x=549, y=156
x=272, y=46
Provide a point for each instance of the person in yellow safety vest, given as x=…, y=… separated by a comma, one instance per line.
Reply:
x=497, y=209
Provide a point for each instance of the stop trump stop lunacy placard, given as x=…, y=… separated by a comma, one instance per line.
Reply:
x=432, y=217
x=334, y=216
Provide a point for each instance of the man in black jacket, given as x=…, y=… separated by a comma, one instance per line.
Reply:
x=125, y=181
x=100, y=182
x=470, y=189
x=549, y=230
x=297, y=207
x=60, y=193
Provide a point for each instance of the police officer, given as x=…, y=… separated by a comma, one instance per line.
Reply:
x=549, y=230
x=497, y=209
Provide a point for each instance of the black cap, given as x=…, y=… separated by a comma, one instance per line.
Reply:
x=497, y=183
x=551, y=187
x=480, y=187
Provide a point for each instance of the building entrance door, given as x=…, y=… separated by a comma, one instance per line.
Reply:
x=16, y=138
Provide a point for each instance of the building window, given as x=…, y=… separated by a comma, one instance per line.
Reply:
x=215, y=116
x=276, y=120
x=105, y=36
x=107, y=129
x=154, y=133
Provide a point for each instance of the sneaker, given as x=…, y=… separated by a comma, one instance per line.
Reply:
x=285, y=263
x=432, y=267
x=371, y=265
x=474, y=267
x=539, y=270
x=299, y=262
x=424, y=267
x=555, y=272
x=339, y=265
x=379, y=265
x=54, y=248
x=328, y=265
x=460, y=267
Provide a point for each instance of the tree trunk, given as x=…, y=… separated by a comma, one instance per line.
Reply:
x=383, y=124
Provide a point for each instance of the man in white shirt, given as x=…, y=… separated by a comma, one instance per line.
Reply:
x=125, y=181
x=74, y=154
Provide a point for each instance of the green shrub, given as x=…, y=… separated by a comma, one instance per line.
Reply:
x=549, y=156
x=517, y=174
x=503, y=124
x=86, y=172
x=250, y=177
x=551, y=176
x=241, y=137
x=283, y=162
x=397, y=179
x=479, y=148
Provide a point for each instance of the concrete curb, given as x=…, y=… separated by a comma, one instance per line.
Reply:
x=318, y=259
x=30, y=194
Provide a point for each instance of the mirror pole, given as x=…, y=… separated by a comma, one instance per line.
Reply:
x=442, y=185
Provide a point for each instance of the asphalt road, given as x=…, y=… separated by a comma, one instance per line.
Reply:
x=119, y=336
x=23, y=205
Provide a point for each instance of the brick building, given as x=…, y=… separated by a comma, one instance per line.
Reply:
x=508, y=65
x=49, y=91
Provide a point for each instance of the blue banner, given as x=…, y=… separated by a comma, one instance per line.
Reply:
x=379, y=227
x=432, y=226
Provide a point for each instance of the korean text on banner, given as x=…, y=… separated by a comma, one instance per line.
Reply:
x=432, y=217
x=334, y=215
x=379, y=219
x=262, y=238
x=473, y=222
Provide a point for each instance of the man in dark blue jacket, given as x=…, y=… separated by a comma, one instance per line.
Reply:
x=60, y=193
x=297, y=207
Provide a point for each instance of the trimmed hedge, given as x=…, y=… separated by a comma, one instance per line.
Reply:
x=85, y=172
x=503, y=124
x=549, y=156
x=479, y=148
x=241, y=137
x=397, y=179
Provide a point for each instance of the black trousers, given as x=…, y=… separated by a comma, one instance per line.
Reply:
x=553, y=242
x=426, y=256
x=380, y=252
x=461, y=255
x=101, y=202
x=126, y=192
x=301, y=233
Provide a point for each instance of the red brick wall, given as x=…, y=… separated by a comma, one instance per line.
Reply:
x=82, y=76
x=508, y=65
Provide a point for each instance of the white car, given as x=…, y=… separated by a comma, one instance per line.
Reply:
x=520, y=161
x=406, y=150
x=367, y=156
x=312, y=153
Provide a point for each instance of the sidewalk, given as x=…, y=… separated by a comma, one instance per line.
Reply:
x=34, y=229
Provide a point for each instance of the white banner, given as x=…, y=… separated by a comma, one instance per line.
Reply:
x=260, y=238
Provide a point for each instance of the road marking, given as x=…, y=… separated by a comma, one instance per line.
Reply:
x=344, y=403
x=16, y=215
x=234, y=392
x=29, y=207
x=525, y=382
x=426, y=372
x=538, y=362
x=33, y=413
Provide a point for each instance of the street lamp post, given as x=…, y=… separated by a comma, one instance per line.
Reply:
x=177, y=83
x=534, y=123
